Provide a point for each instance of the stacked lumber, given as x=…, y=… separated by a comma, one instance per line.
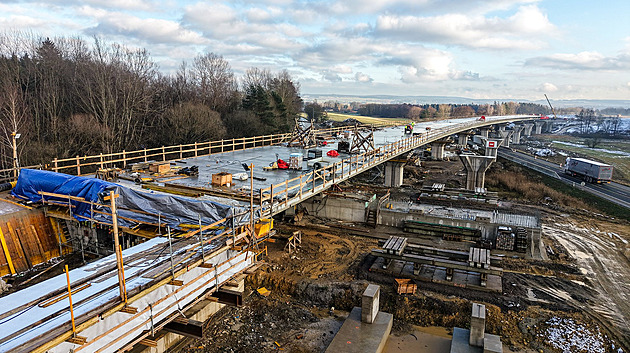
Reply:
x=505, y=241
x=521, y=239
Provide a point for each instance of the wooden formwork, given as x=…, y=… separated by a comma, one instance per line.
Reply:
x=28, y=239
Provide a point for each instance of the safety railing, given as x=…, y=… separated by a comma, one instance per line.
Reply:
x=81, y=165
x=279, y=197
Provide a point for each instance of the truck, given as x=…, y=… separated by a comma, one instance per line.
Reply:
x=590, y=171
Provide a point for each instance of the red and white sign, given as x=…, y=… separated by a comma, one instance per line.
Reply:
x=491, y=144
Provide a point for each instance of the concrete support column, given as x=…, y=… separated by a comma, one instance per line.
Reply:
x=548, y=128
x=528, y=129
x=370, y=303
x=491, y=147
x=393, y=174
x=476, y=167
x=506, y=137
x=539, y=125
x=437, y=150
x=484, y=131
x=516, y=137
x=462, y=139
x=477, y=325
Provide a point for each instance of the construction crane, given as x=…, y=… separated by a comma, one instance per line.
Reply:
x=552, y=111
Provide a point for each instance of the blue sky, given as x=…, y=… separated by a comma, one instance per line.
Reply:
x=504, y=49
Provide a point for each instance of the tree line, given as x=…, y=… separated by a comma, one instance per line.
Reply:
x=67, y=97
x=444, y=111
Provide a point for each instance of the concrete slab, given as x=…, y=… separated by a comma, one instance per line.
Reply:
x=492, y=344
x=358, y=337
x=459, y=344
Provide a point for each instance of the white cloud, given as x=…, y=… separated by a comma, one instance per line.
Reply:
x=361, y=77
x=548, y=87
x=515, y=32
x=582, y=61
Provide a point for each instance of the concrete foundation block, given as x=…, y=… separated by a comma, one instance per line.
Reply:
x=477, y=325
x=370, y=303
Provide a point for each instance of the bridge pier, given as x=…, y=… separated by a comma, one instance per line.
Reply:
x=528, y=129
x=484, y=131
x=394, y=174
x=491, y=148
x=516, y=137
x=437, y=149
x=462, y=138
x=476, y=167
x=506, y=135
x=548, y=128
x=538, y=127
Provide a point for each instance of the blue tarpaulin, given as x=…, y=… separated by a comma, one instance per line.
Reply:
x=169, y=209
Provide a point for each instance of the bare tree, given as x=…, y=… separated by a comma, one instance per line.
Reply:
x=215, y=81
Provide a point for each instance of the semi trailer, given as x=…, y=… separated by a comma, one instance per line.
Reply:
x=590, y=171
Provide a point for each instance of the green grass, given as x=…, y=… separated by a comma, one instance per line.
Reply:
x=366, y=119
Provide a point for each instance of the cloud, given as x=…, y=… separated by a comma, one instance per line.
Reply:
x=516, y=32
x=330, y=76
x=361, y=77
x=548, y=87
x=150, y=29
x=586, y=61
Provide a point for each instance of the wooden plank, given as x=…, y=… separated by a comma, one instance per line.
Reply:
x=19, y=260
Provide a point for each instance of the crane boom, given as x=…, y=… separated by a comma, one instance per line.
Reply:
x=552, y=111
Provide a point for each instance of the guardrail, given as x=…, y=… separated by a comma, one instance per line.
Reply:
x=81, y=165
x=279, y=197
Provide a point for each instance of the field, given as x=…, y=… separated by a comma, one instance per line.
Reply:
x=613, y=152
x=366, y=119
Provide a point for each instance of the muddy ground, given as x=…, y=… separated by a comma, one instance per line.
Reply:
x=575, y=302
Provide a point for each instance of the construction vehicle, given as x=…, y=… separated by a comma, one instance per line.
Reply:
x=590, y=171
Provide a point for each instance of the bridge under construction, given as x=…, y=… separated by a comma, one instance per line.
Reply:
x=177, y=228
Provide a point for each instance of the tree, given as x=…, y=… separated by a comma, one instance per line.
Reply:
x=314, y=112
x=444, y=111
x=191, y=122
x=215, y=82
x=586, y=117
x=463, y=111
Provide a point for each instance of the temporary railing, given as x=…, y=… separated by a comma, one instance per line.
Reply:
x=81, y=165
x=279, y=197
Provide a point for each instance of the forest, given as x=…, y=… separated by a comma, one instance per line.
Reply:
x=444, y=111
x=65, y=97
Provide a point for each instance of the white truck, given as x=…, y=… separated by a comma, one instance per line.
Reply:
x=590, y=171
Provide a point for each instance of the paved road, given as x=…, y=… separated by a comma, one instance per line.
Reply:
x=614, y=192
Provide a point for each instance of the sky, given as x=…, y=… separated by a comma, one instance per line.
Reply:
x=481, y=49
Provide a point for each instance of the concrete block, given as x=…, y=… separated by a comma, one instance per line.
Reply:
x=492, y=344
x=370, y=303
x=477, y=325
x=356, y=336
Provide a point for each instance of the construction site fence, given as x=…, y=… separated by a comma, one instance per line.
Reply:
x=279, y=197
x=81, y=165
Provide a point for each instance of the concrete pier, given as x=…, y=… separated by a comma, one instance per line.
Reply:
x=394, y=174
x=516, y=137
x=366, y=329
x=528, y=129
x=506, y=135
x=492, y=146
x=437, y=149
x=476, y=167
x=538, y=127
x=485, y=131
x=462, y=138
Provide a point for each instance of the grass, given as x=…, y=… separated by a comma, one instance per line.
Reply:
x=620, y=163
x=366, y=119
x=517, y=182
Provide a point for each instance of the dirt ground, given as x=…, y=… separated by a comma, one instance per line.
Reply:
x=575, y=302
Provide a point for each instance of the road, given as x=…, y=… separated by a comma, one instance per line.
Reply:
x=614, y=192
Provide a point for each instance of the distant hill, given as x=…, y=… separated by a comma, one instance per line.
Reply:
x=388, y=99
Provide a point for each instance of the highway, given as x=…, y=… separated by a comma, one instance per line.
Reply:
x=614, y=192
